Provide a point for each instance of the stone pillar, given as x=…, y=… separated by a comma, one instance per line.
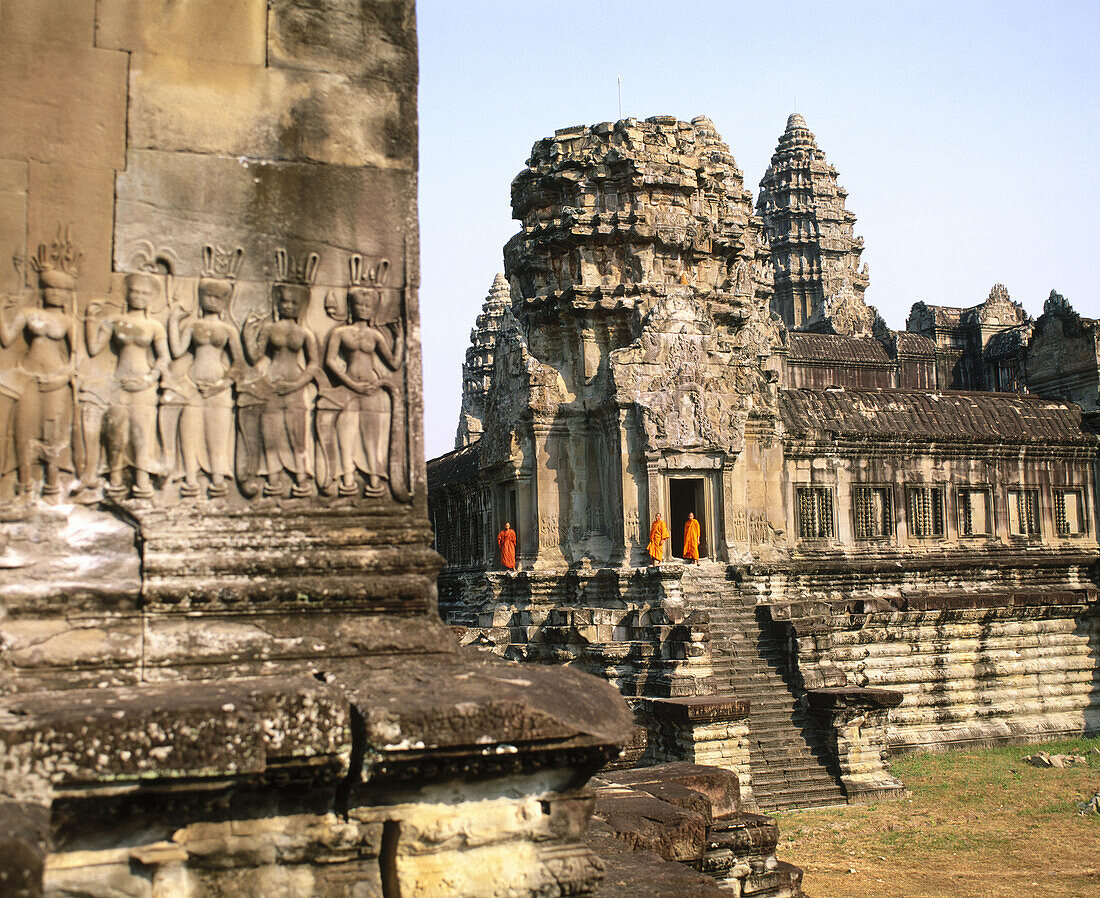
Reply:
x=221, y=665
x=549, y=511
x=855, y=720
x=712, y=730
x=634, y=511
x=656, y=497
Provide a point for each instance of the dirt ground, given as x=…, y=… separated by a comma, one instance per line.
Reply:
x=979, y=824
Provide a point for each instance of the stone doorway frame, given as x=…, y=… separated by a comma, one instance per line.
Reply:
x=708, y=520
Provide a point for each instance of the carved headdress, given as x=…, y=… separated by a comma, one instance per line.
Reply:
x=294, y=278
x=362, y=279
x=56, y=263
x=299, y=272
x=221, y=264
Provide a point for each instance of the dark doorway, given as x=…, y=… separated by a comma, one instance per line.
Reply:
x=685, y=494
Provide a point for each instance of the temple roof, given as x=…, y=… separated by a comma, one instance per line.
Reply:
x=948, y=417
x=1007, y=343
x=457, y=466
x=914, y=344
x=810, y=347
x=815, y=253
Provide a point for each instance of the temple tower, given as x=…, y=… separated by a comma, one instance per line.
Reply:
x=640, y=290
x=477, y=371
x=814, y=254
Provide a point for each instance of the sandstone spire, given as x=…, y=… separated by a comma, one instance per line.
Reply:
x=477, y=371
x=814, y=254
x=616, y=215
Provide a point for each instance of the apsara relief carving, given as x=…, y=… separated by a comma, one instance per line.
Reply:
x=182, y=389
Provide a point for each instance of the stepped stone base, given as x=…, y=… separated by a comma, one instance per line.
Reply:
x=711, y=730
x=693, y=814
x=445, y=774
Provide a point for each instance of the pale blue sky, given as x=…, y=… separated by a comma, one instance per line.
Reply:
x=965, y=134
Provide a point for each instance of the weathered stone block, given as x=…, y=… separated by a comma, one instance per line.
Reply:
x=630, y=873
x=71, y=645
x=24, y=836
x=260, y=643
x=277, y=114
x=376, y=39
x=69, y=557
x=47, y=22
x=13, y=219
x=646, y=823
x=229, y=30
x=57, y=124
x=185, y=201
x=717, y=787
x=67, y=192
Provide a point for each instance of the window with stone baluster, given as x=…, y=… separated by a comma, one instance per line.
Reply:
x=872, y=511
x=1069, y=512
x=975, y=511
x=815, y=512
x=925, y=512
x=1023, y=513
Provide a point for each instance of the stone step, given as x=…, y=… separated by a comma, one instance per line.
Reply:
x=786, y=761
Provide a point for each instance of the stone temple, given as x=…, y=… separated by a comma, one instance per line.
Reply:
x=222, y=667
x=898, y=527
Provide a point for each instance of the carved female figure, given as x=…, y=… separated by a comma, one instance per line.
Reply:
x=141, y=347
x=361, y=356
x=41, y=382
x=206, y=389
x=294, y=363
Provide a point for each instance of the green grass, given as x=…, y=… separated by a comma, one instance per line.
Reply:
x=977, y=822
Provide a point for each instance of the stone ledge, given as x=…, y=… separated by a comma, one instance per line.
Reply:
x=710, y=791
x=695, y=709
x=833, y=697
x=424, y=717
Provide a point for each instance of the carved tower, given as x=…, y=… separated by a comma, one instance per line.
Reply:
x=640, y=316
x=477, y=372
x=814, y=253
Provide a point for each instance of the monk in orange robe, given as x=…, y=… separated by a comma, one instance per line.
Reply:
x=691, y=539
x=658, y=533
x=506, y=539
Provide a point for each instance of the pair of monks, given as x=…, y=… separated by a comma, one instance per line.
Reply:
x=659, y=532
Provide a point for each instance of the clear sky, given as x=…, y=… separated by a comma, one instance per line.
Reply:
x=965, y=133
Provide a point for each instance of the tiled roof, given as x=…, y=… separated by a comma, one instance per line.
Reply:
x=455, y=467
x=940, y=417
x=806, y=347
x=945, y=316
x=915, y=344
x=1006, y=343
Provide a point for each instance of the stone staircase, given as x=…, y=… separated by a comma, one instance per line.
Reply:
x=791, y=767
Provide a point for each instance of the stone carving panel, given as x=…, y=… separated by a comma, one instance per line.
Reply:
x=178, y=389
x=691, y=391
x=36, y=381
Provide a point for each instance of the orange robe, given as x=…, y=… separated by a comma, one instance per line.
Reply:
x=658, y=533
x=506, y=539
x=691, y=539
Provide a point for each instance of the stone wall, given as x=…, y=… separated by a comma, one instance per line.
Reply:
x=973, y=670
x=1063, y=355
x=221, y=667
x=631, y=629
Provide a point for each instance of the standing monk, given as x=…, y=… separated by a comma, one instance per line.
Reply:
x=506, y=539
x=691, y=539
x=658, y=533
